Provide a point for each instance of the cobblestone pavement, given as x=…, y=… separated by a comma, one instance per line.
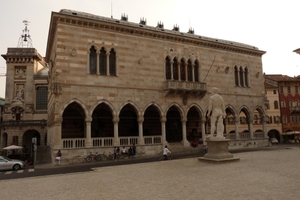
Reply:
x=258, y=175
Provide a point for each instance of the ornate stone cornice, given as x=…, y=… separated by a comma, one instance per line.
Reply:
x=22, y=55
x=81, y=19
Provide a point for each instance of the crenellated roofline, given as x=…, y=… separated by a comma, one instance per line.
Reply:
x=82, y=19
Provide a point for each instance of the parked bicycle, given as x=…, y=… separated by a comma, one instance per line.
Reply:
x=107, y=156
x=92, y=157
x=169, y=157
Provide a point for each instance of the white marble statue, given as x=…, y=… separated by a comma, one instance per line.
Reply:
x=217, y=109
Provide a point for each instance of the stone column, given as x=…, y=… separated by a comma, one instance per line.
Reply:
x=107, y=64
x=236, y=127
x=116, y=131
x=251, y=127
x=185, y=142
x=203, y=131
x=141, y=139
x=98, y=63
x=265, y=127
x=57, y=139
x=88, y=138
x=193, y=72
x=178, y=70
x=163, y=130
x=172, y=70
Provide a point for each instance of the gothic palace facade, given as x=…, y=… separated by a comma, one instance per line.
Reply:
x=117, y=83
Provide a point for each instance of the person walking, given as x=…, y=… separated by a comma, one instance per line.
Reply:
x=166, y=151
x=58, y=157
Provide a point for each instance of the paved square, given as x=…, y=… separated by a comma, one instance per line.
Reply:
x=266, y=174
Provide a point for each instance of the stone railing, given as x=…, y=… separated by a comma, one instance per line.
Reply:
x=294, y=109
x=73, y=143
x=152, y=140
x=230, y=136
x=186, y=87
x=244, y=135
x=258, y=134
x=126, y=141
x=103, y=142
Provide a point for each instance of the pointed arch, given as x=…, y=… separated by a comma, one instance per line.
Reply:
x=93, y=60
x=197, y=71
x=182, y=70
x=152, y=120
x=168, y=68
x=103, y=61
x=190, y=70
x=236, y=76
x=175, y=69
x=128, y=120
x=112, y=62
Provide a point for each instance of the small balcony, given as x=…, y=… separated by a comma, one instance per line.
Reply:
x=295, y=109
x=24, y=123
x=186, y=88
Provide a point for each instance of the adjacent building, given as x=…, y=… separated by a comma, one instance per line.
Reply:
x=24, y=114
x=289, y=104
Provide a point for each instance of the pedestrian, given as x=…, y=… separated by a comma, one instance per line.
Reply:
x=115, y=153
x=58, y=157
x=133, y=149
x=130, y=151
x=166, y=151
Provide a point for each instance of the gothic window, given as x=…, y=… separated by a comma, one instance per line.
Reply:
x=241, y=77
x=270, y=120
x=168, y=68
x=190, y=70
x=196, y=71
x=290, y=103
x=112, y=63
x=282, y=104
x=102, y=61
x=283, y=119
x=297, y=103
x=182, y=69
x=41, y=100
x=274, y=92
x=93, y=60
x=175, y=69
x=236, y=76
x=281, y=89
x=289, y=89
x=246, y=77
x=296, y=90
x=275, y=104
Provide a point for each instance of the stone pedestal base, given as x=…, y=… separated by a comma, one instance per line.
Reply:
x=218, y=151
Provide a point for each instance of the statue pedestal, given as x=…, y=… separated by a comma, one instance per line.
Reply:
x=218, y=151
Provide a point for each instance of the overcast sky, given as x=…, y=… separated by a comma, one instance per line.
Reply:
x=272, y=26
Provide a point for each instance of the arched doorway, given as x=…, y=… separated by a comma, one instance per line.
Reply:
x=102, y=123
x=193, y=125
x=173, y=125
x=27, y=138
x=73, y=124
x=128, y=124
x=151, y=124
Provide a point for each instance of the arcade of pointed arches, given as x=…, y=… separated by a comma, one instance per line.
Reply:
x=104, y=125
